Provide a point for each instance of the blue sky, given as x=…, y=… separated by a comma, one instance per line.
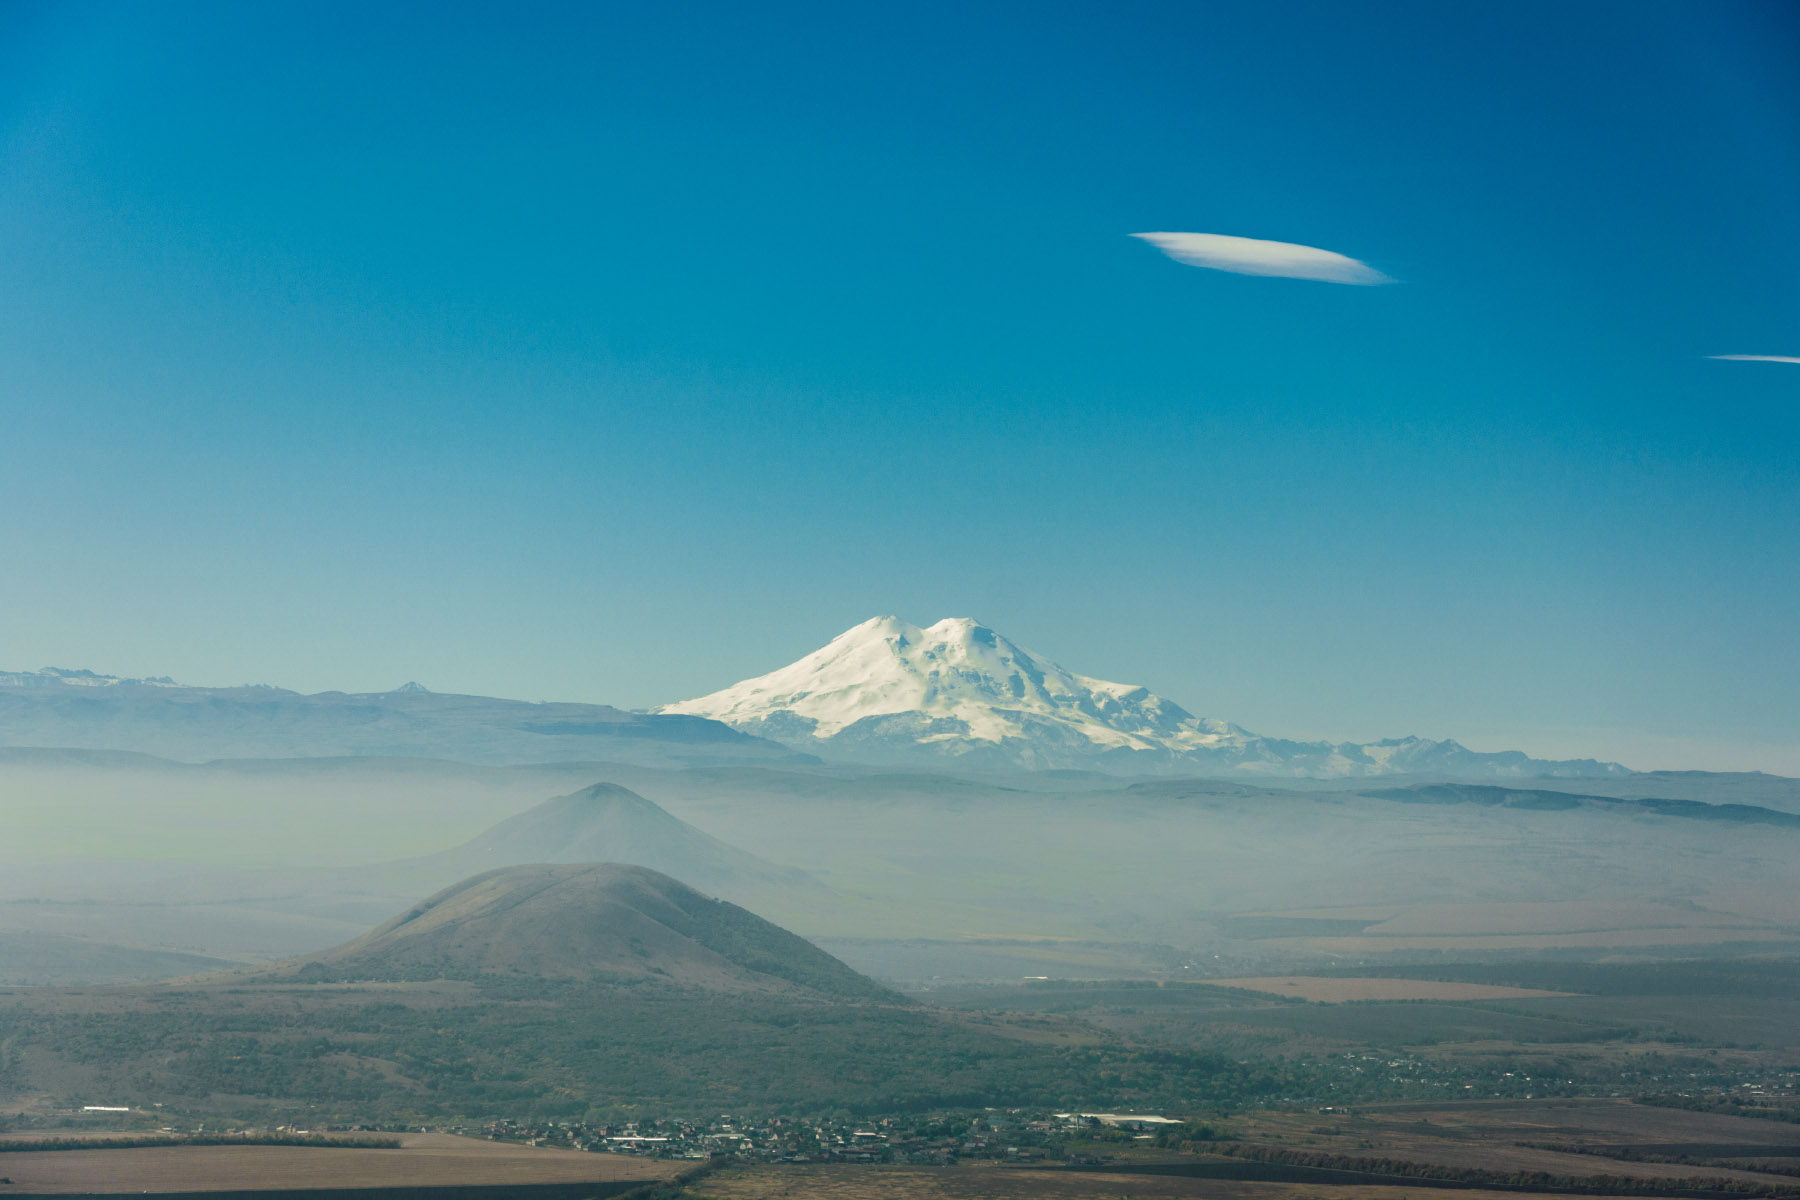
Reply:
x=617, y=352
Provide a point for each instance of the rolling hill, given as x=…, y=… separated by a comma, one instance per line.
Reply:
x=591, y=922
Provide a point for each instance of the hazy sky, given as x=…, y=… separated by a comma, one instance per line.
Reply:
x=617, y=352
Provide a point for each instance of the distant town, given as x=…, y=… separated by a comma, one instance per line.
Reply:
x=1016, y=1135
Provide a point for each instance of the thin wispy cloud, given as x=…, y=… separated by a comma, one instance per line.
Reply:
x=1254, y=256
x=1781, y=358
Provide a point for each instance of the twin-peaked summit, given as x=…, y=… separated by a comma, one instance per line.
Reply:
x=890, y=691
x=960, y=679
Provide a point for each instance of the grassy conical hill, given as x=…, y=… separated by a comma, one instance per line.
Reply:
x=609, y=823
x=604, y=823
x=590, y=922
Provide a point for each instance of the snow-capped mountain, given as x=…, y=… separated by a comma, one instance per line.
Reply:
x=889, y=691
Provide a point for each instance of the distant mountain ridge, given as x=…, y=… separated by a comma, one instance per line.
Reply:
x=89, y=711
x=887, y=691
x=64, y=677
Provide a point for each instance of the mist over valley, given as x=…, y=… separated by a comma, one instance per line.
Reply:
x=952, y=862
x=841, y=602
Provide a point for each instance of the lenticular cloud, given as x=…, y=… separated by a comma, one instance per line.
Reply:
x=1253, y=256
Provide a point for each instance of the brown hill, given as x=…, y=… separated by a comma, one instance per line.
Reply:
x=594, y=922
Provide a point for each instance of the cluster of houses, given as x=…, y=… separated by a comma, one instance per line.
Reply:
x=1011, y=1136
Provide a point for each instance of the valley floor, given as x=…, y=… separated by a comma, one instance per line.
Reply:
x=1476, y=1149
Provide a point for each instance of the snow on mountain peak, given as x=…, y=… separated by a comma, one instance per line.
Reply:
x=955, y=681
x=50, y=677
x=887, y=690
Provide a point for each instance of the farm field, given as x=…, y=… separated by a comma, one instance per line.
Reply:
x=1201, y=1014
x=832, y=1182
x=1644, y=1027
x=1669, y=938
x=424, y=1160
x=1513, y=926
x=1558, y=1137
x=1334, y=990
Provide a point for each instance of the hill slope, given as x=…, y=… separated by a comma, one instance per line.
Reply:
x=589, y=922
x=887, y=691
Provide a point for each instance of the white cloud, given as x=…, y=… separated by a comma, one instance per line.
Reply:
x=1253, y=256
x=1754, y=358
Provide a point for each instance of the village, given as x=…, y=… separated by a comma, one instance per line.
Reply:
x=1014, y=1135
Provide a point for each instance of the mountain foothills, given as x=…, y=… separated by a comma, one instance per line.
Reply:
x=604, y=992
x=557, y=991
x=958, y=691
x=911, y=876
x=567, y=962
x=83, y=710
